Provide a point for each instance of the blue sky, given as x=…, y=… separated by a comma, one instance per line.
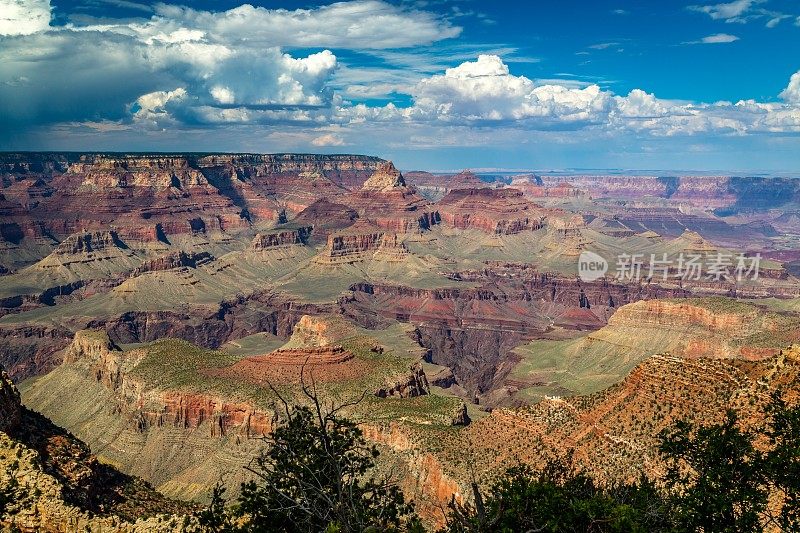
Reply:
x=432, y=84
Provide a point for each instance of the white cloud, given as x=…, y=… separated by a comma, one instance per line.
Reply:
x=152, y=107
x=776, y=19
x=792, y=92
x=485, y=90
x=328, y=139
x=639, y=104
x=23, y=17
x=363, y=24
x=603, y=46
x=221, y=59
x=730, y=11
x=717, y=38
x=223, y=95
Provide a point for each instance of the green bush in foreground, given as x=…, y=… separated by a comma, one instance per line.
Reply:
x=720, y=478
x=314, y=476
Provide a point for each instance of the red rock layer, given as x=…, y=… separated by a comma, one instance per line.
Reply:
x=326, y=217
x=499, y=211
x=148, y=197
x=359, y=242
x=324, y=355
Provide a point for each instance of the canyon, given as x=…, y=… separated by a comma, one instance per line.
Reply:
x=153, y=305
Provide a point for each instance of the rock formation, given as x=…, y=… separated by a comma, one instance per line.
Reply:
x=10, y=406
x=88, y=242
x=388, y=203
x=281, y=237
x=358, y=242
x=172, y=260
x=460, y=416
x=410, y=385
x=496, y=211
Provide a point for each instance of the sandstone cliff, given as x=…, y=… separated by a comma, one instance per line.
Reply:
x=279, y=238
x=56, y=485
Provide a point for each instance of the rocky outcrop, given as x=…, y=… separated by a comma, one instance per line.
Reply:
x=386, y=202
x=385, y=178
x=460, y=416
x=10, y=406
x=391, y=248
x=318, y=331
x=279, y=238
x=410, y=385
x=496, y=211
x=88, y=242
x=172, y=260
x=356, y=243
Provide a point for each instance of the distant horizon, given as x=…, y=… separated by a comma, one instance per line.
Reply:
x=589, y=171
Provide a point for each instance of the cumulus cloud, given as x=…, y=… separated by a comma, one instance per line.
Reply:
x=231, y=64
x=23, y=17
x=485, y=93
x=792, y=92
x=484, y=90
x=328, y=139
x=362, y=24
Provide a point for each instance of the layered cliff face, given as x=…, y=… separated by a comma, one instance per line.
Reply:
x=88, y=242
x=727, y=194
x=359, y=242
x=149, y=197
x=172, y=260
x=281, y=237
x=144, y=197
x=388, y=203
x=152, y=172
x=349, y=171
x=498, y=211
x=55, y=484
x=691, y=328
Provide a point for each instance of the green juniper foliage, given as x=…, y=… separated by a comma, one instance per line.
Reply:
x=314, y=476
x=719, y=478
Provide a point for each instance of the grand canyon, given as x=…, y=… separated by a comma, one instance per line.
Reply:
x=358, y=266
x=152, y=305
